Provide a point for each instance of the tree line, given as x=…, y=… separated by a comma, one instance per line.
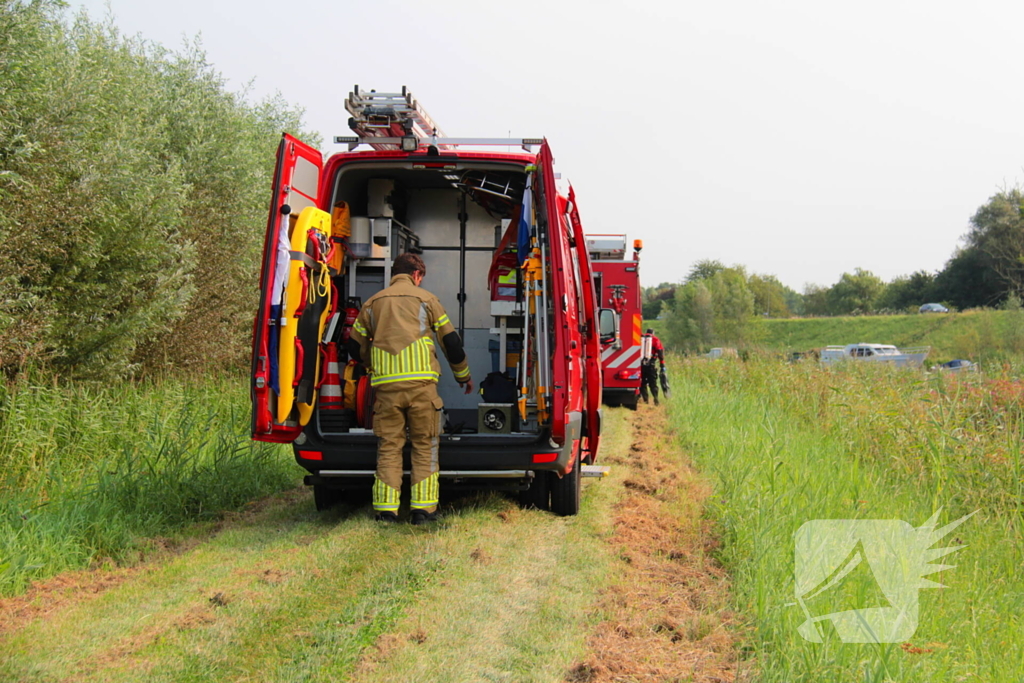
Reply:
x=717, y=305
x=134, y=188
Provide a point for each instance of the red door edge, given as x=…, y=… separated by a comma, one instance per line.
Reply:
x=559, y=390
x=591, y=340
x=289, y=152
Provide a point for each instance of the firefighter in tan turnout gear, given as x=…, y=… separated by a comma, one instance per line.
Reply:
x=393, y=337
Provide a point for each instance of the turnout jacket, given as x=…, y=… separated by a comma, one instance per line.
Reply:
x=394, y=333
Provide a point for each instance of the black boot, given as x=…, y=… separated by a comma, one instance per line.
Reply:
x=423, y=517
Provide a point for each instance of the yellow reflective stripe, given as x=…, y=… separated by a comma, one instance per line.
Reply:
x=360, y=329
x=374, y=381
x=426, y=493
x=385, y=497
x=413, y=362
x=441, y=322
x=462, y=374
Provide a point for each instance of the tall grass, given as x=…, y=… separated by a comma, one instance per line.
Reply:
x=786, y=444
x=87, y=472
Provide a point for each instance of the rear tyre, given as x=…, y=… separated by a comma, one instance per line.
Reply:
x=325, y=497
x=539, y=494
x=565, y=492
x=631, y=403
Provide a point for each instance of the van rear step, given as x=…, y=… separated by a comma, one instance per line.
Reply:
x=447, y=474
x=585, y=471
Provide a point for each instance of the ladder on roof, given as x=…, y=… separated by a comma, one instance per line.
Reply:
x=397, y=121
x=389, y=115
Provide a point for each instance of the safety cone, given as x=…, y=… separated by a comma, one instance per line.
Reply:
x=330, y=390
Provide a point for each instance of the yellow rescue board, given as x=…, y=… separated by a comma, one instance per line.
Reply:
x=309, y=282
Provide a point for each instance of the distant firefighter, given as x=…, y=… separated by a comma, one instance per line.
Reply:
x=653, y=357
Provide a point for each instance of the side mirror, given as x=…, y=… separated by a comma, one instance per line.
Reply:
x=608, y=326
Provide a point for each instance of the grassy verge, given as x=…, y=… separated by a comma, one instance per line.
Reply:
x=787, y=444
x=88, y=472
x=491, y=592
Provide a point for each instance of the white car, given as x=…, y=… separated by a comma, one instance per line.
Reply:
x=933, y=308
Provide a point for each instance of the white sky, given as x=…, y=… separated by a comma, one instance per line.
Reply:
x=801, y=139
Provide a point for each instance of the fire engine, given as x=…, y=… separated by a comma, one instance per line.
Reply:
x=501, y=238
x=617, y=282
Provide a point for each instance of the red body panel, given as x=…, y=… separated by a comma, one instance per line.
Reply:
x=290, y=153
x=620, y=291
x=588, y=332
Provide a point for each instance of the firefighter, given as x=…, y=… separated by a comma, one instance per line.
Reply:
x=392, y=337
x=653, y=356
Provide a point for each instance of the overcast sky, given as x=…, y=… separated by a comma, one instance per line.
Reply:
x=800, y=139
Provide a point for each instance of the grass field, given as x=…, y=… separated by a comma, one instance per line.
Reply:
x=92, y=473
x=278, y=592
x=982, y=336
x=786, y=444
x=669, y=573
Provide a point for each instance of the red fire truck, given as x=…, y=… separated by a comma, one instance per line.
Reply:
x=502, y=241
x=617, y=282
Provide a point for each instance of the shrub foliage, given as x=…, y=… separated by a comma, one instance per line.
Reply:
x=133, y=195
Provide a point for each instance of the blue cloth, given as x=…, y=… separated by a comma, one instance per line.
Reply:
x=273, y=342
x=525, y=223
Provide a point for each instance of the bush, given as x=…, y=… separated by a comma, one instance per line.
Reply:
x=123, y=164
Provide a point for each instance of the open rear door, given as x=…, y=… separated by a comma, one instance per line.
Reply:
x=547, y=213
x=591, y=337
x=296, y=186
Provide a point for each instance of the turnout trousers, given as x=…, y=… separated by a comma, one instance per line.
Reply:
x=649, y=381
x=407, y=410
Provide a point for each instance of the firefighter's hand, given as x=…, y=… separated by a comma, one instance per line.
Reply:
x=468, y=386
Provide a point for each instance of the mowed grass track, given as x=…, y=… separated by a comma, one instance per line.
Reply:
x=282, y=593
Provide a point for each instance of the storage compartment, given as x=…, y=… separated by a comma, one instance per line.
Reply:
x=433, y=213
x=496, y=418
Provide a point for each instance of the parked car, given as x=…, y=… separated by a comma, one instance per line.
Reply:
x=933, y=308
x=878, y=353
x=959, y=365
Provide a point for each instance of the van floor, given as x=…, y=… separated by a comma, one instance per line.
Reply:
x=628, y=590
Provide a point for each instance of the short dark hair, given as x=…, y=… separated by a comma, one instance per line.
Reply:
x=407, y=264
x=650, y=330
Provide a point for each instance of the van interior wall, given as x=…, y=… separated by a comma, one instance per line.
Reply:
x=432, y=213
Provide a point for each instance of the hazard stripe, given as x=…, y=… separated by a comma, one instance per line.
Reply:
x=626, y=355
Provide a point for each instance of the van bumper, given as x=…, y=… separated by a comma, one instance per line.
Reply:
x=486, y=456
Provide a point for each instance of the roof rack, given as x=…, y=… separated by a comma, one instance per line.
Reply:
x=398, y=121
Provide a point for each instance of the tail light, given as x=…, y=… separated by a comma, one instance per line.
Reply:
x=627, y=374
